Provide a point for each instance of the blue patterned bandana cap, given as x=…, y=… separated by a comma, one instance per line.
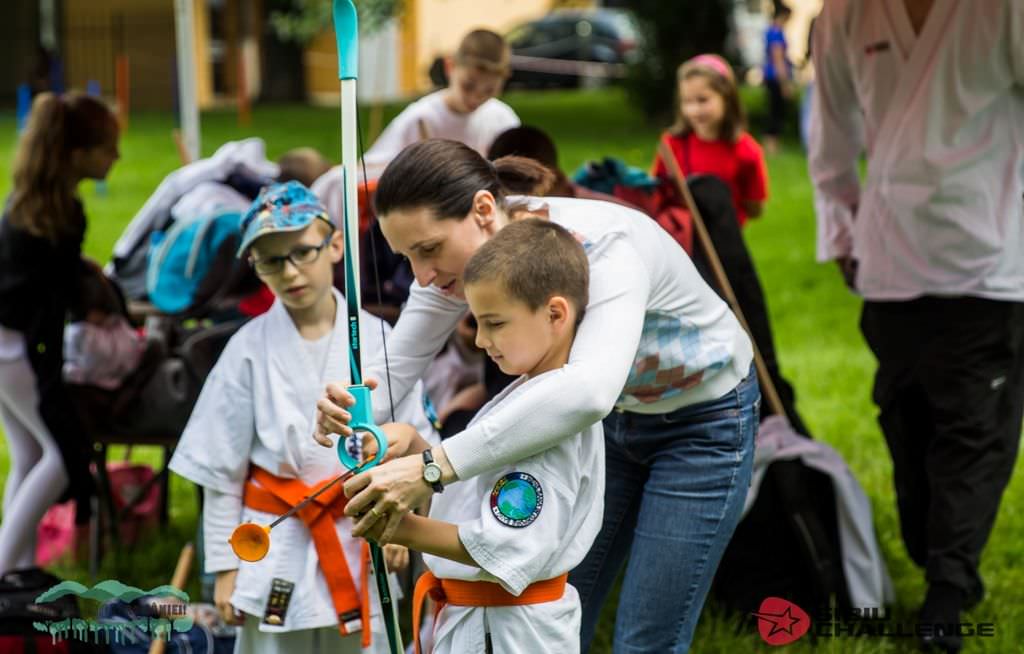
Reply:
x=279, y=208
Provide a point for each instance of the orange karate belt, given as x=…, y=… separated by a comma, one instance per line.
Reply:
x=269, y=493
x=477, y=593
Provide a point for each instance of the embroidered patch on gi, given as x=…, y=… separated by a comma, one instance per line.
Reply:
x=516, y=499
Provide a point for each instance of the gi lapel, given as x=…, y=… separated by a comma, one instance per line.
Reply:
x=914, y=76
x=296, y=368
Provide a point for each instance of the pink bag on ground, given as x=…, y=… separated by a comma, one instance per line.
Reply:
x=126, y=481
x=55, y=535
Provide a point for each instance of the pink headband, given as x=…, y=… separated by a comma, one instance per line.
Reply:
x=715, y=63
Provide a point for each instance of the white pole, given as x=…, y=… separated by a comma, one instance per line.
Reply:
x=188, y=104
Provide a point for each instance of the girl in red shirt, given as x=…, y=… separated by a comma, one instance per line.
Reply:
x=708, y=136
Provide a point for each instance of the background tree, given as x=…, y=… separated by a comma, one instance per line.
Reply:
x=671, y=33
x=298, y=21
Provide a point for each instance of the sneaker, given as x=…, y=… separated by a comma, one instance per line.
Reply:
x=941, y=612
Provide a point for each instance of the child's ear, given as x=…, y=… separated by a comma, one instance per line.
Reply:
x=449, y=64
x=337, y=246
x=558, y=311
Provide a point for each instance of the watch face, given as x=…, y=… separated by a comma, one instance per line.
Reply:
x=432, y=473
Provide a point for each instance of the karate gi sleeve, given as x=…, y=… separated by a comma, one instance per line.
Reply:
x=521, y=523
x=580, y=393
x=222, y=512
x=835, y=138
x=215, y=447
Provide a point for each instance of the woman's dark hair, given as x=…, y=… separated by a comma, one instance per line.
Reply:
x=444, y=176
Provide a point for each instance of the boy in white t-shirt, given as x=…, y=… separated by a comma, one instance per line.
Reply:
x=467, y=110
x=499, y=546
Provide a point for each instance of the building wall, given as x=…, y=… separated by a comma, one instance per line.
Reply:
x=797, y=28
x=441, y=24
x=395, y=62
x=19, y=32
x=94, y=33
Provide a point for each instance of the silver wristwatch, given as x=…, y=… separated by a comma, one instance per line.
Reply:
x=432, y=472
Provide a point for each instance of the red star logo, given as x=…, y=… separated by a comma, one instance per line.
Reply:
x=781, y=622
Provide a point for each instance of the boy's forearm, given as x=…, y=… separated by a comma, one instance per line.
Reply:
x=434, y=537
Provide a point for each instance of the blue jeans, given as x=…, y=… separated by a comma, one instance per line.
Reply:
x=675, y=489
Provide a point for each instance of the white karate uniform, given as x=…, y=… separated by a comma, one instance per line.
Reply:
x=941, y=116
x=477, y=130
x=553, y=540
x=257, y=407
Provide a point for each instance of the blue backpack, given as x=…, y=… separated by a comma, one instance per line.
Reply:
x=180, y=257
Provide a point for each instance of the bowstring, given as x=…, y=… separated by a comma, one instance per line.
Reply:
x=376, y=268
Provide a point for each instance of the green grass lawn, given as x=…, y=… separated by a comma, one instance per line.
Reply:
x=813, y=316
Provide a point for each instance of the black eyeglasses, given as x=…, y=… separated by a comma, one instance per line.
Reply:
x=300, y=256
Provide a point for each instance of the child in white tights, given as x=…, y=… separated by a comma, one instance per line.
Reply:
x=68, y=138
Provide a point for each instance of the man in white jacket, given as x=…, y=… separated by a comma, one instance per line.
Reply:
x=933, y=92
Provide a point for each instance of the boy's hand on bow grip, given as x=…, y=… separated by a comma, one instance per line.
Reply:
x=402, y=439
x=332, y=416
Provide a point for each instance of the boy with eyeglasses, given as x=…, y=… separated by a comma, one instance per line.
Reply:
x=247, y=444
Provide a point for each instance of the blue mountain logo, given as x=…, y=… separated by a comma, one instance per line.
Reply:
x=105, y=591
x=123, y=631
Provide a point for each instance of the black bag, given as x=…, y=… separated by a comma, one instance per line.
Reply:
x=786, y=546
x=18, y=610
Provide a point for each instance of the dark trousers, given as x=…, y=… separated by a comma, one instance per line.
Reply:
x=778, y=108
x=950, y=390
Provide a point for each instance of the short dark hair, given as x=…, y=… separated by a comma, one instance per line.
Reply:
x=484, y=49
x=533, y=260
x=525, y=141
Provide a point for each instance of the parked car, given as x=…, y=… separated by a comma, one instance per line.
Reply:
x=557, y=41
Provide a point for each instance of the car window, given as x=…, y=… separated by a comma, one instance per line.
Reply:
x=524, y=36
x=622, y=22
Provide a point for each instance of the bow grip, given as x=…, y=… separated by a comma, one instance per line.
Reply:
x=362, y=421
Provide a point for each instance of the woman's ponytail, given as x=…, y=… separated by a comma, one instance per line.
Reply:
x=522, y=176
